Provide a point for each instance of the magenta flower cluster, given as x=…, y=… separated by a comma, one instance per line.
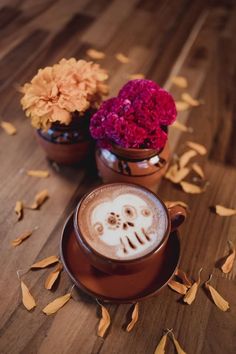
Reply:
x=136, y=118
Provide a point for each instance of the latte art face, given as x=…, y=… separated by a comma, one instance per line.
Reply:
x=122, y=221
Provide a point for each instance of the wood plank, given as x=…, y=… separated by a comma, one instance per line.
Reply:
x=67, y=41
x=16, y=30
x=95, y=8
x=162, y=39
x=35, y=15
x=175, y=36
x=108, y=23
x=143, y=54
x=23, y=53
x=200, y=68
x=64, y=44
x=33, y=9
x=7, y=14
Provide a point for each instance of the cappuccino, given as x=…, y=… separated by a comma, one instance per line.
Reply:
x=122, y=221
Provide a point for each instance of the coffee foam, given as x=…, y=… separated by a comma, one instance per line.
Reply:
x=122, y=221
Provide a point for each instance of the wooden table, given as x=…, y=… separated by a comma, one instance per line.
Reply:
x=162, y=39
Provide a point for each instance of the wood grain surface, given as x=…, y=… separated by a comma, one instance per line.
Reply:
x=164, y=38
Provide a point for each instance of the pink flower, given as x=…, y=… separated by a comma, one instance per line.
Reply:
x=137, y=118
x=147, y=96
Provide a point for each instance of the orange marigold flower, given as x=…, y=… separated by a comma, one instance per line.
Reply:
x=57, y=91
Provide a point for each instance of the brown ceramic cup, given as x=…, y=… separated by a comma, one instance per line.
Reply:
x=175, y=217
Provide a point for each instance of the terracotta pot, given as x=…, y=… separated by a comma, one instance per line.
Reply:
x=142, y=166
x=175, y=216
x=67, y=144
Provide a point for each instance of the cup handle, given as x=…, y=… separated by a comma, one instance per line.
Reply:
x=177, y=216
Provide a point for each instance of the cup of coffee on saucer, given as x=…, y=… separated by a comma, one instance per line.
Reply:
x=124, y=228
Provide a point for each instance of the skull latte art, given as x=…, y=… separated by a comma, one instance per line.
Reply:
x=122, y=221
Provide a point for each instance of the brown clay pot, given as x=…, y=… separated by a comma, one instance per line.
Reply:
x=142, y=166
x=67, y=144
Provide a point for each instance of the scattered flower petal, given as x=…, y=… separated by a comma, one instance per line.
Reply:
x=229, y=261
x=52, y=277
x=186, y=97
x=199, y=171
x=136, y=76
x=199, y=148
x=183, y=276
x=95, y=54
x=178, y=287
x=184, y=159
x=104, y=322
x=39, y=199
x=180, y=81
x=45, y=262
x=223, y=211
x=182, y=127
x=56, y=304
x=220, y=302
x=38, y=173
x=8, y=128
x=191, y=188
x=177, y=345
x=21, y=238
x=182, y=106
x=122, y=58
x=176, y=175
x=192, y=292
x=19, y=207
x=170, y=204
x=134, y=318
x=27, y=298
x=160, y=349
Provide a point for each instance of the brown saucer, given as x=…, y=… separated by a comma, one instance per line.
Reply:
x=115, y=288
